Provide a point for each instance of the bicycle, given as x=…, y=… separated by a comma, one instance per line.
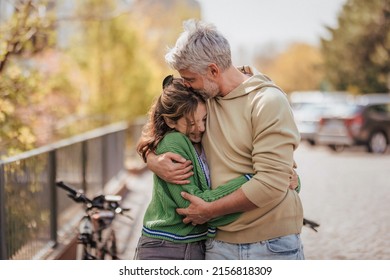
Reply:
x=96, y=237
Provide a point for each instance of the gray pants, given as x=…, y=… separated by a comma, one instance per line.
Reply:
x=158, y=249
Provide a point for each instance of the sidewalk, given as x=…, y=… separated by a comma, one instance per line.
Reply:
x=139, y=185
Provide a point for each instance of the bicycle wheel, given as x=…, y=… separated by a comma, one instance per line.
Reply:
x=85, y=252
x=81, y=252
x=109, y=250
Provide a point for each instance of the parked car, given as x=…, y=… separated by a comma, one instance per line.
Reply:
x=307, y=119
x=310, y=106
x=366, y=121
x=299, y=99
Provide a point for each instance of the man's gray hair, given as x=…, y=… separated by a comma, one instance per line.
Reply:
x=197, y=47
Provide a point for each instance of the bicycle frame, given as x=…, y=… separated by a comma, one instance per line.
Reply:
x=95, y=241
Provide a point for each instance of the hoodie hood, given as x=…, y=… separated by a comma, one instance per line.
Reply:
x=256, y=81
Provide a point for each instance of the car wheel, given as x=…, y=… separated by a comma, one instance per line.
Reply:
x=377, y=143
x=311, y=142
x=337, y=147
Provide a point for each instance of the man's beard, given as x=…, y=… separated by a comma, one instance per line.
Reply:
x=210, y=89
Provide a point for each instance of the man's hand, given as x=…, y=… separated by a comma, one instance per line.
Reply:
x=170, y=167
x=293, y=180
x=197, y=213
x=200, y=211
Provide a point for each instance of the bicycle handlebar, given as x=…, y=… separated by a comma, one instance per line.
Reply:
x=75, y=195
x=97, y=202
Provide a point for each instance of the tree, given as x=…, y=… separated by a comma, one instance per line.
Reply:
x=357, y=54
x=297, y=68
x=117, y=74
x=119, y=53
x=25, y=33
x=110, y=68
x=161, y=21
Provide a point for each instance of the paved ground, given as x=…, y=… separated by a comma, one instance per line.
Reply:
x=128, y=231
x=347, y=193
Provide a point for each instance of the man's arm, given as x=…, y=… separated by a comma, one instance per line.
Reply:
x=170, y=167
x=199, y=211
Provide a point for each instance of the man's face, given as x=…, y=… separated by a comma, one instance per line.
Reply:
x=200, y=83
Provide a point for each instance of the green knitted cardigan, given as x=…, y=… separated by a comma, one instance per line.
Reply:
x=161, y=220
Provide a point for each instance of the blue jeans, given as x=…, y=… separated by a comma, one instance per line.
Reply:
x=287, y=247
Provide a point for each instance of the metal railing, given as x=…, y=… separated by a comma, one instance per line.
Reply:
x=33, y=215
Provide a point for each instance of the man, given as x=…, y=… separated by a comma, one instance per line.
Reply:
x=250, y=129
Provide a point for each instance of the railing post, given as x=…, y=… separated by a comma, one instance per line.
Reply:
x=84, y=164
x=52, y=166
x=3, y=250
x=104, y=160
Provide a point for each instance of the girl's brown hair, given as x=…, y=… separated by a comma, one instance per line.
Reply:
x=176, y=101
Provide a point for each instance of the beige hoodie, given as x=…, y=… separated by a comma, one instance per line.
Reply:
x=252, y=130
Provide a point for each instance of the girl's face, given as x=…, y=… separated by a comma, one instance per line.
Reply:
x=196, y=127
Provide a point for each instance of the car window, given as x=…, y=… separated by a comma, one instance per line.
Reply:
x=380, y=110
x=343, y=109
x=387, y=109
